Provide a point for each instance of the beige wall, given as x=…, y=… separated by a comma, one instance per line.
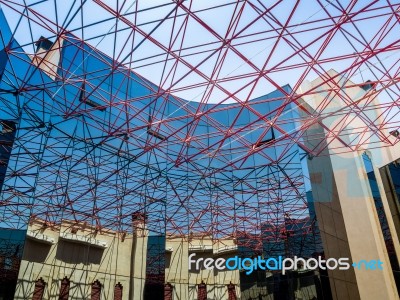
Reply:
x=123, y=260
x=176, y=267
x=48, y=60
x=185, y=281
x=79, y=262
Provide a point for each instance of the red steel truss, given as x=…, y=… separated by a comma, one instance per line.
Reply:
x=214, y=53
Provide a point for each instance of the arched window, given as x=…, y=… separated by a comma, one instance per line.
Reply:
x=231, y=291
x=39, y=289
x=118, y=291
x=64, y=289
x=168, y=291
x=202, y=291
x=96, y=290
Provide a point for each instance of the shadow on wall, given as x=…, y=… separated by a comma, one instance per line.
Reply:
x=75, y=253
x=36, y=252
x=168, y=259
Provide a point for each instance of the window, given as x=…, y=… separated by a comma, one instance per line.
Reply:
x=202, y=291
x=118, y=291
x=168, y=289
x=39, y=289
x=7, y=126
x=43, y=44
x=154, y=133
x=87, y=101
x=64, y=289
x=8, y=263
x=267, y=141
x=231, y=292
x=96, y=290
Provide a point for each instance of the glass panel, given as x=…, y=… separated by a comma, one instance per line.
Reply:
x=387, y=235
x=394, y=169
